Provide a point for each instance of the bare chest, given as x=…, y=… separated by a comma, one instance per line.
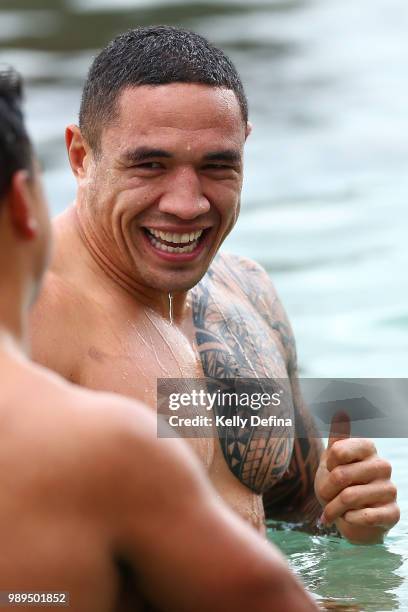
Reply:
x=215, y=340
x=128, y=356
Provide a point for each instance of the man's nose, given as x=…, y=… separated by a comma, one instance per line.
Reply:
x=184, y=196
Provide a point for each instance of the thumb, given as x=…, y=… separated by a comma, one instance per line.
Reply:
x=339, y=428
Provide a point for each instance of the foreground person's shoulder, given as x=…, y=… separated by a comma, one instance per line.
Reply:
x=125, y=427
x=106, y=429
x=100, y=452
x=128, y=457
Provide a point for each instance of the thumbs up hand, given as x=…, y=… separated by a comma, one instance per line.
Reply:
x=353, y=486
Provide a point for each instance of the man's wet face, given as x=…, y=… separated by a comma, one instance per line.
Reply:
x=165, y=190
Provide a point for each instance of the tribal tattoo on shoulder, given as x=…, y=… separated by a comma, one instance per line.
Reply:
x=243, y=336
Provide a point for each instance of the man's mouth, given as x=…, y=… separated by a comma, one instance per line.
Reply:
x=172, y=242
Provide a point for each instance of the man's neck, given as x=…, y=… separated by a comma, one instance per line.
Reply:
x=72, y=236
x=14, y=311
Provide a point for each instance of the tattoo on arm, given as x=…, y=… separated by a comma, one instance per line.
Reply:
x=232, y=346
x=233, y=343
x=293, y=497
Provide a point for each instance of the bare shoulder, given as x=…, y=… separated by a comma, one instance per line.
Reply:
x=248, y=269
x=118, y=435
x=57, y=297
x=56, y=311
x=245, y=276
x=94, y=414
x=101, y=448
x=250, y=282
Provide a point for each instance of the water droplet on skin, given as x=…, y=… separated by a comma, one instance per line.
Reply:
x=170, y=309
x=169, y=345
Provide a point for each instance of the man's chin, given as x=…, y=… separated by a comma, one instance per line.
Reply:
x=176, y=288
x=176, y=285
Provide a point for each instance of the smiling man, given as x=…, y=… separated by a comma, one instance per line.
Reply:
x=81, y=472
x=158, y=159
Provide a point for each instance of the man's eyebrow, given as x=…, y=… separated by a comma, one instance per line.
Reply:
x=227, y=155
x=141, y=154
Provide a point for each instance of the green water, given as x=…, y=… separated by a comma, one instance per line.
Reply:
x=324, y=202
x=362, y=577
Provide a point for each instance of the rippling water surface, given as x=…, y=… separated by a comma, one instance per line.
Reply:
x=324, y=203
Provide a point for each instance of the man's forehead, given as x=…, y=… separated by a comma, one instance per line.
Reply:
x=192, y=105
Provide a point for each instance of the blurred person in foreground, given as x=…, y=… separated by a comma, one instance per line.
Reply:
x=92, y=504
x=158, y=160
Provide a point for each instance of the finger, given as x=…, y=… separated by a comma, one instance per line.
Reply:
x=339, y=428
x=384, y=516
x=361, y=472
x=358, y=497
x=348, y=451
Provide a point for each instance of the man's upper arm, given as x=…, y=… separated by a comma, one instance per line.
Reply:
x=293, y=497
x=189, y=551
x=255, y=282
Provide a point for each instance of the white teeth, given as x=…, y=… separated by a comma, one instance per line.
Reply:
x=169, y=249
x=176, y=238
x=189, y=240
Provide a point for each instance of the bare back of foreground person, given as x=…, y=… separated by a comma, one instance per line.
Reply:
x=158, y=159
x=91, y=503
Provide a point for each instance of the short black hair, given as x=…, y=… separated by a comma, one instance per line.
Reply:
x=153, y=55
x=15, y=145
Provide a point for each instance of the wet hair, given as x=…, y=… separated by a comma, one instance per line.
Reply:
x=15, y=145
x=154, y=55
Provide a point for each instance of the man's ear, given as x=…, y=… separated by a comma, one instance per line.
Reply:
x=21, y=206
x=248, y=129
x=78, y=150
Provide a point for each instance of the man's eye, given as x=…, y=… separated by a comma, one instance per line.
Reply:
x=149, y=165
x=218, y=167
